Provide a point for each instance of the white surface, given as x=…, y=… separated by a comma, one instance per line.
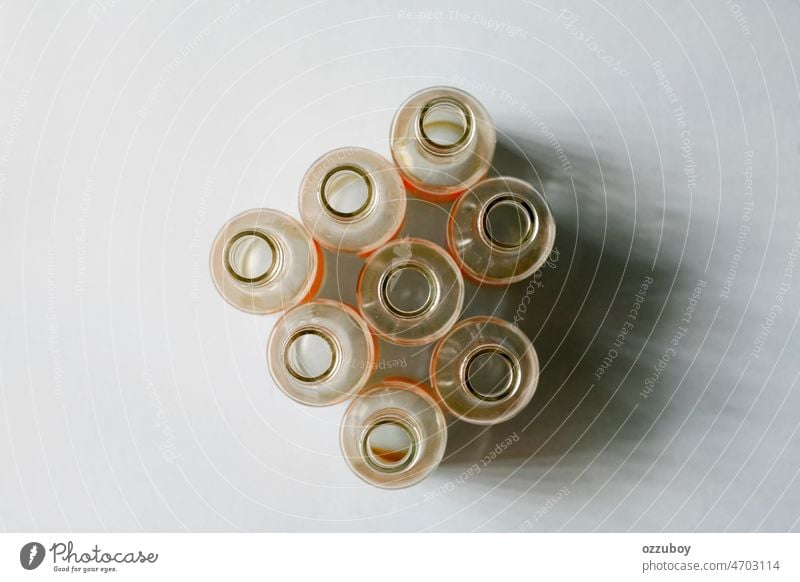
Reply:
x=133, y=398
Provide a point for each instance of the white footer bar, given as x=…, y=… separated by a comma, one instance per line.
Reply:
x=406, y=557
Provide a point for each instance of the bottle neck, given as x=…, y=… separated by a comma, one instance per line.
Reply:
x=445, y=127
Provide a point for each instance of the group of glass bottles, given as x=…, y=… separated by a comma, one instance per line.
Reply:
x=410, y=291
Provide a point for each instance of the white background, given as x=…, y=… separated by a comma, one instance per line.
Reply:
x=133, y=398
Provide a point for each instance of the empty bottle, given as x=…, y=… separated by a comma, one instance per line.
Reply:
x=393, y=434
x=352, y=200
x=263, y=261
x=410, y=291
x=500, y=231
x=485, y=370
x=321, y=352
x=443, y=142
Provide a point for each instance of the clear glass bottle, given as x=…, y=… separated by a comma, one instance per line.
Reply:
x=485, y=370
x=410, y=291
x=321, y=352
x=263, y=261
x=394, y=434
x=443, y=142
x=352, y=200
x=500, y=231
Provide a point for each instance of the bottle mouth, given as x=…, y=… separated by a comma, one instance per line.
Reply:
x=508, y=222
x=347, y=192
x=491, y=374
x=390, y=443
x=311, y=354
x=445, y=126
x=253, y=257
x=409, y=290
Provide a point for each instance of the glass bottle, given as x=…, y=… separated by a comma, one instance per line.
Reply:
x=410, y=291
x=352, y=200
x=500, y=231
x=321, y=352
x=485, y=370
x=393, y=434
x=263, y=261
x=443, y=141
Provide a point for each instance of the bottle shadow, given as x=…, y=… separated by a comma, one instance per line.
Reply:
x=589, y=311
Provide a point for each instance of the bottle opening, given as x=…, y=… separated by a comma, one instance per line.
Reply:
x=509, y=222
x=409, y=290
x=445, y=126
x=491, y=374
x=389, y=445
x=346, y=192
x=252, y=257
x=311, y=355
